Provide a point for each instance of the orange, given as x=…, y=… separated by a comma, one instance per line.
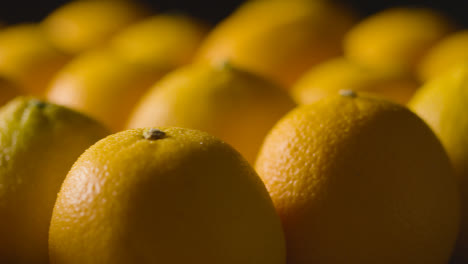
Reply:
x=8, y=90
x=447, y=53
x=101, y=84
x=340, y=73
x=222, y=100
x=83, y=24
x=442, y=102
x=40, y=142
x=27, y=58
x=360, y=180
x=395, y=39
x=162, y=41
x=279, y=39
x=167, y=195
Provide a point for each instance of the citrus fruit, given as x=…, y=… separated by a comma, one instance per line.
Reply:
x=27, y=58
x=162, y=41
x=340, y=73
x=83, y=24
x=358, y=179
x=279, y=39
x=8, y=90
x=102, y=85
x=40, y=142
x=167, y=195
x=447, y=53
x=442, y=103
x=222, y=100
x=395, y=39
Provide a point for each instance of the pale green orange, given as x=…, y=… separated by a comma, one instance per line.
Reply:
x=40, y=142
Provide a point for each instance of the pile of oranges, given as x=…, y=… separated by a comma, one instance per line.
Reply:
x=292, y=132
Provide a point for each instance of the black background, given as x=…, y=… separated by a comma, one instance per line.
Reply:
x=15, y=11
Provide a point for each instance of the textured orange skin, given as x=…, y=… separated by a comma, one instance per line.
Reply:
x=396, y=39
x=360, y=180
x=27, y=58
x=337, y=74
x=222, y=100
x=445, y=55
x=279, y=39
x=102, y=85
x=81, y=25
x=442, y=103
x=182, y=198
x=40, y=142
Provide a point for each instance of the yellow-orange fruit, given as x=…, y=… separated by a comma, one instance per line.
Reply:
x=360, y=180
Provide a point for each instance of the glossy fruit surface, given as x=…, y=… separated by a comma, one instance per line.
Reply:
x=227, y=102
x=441, y=102
x=167, y=195
x=40, y=142
x=358, y=179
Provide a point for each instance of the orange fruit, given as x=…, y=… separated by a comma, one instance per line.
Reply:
x=340, y=73
x=8, y=90
x=394, y=40
x=27, y=58
x=446, y=54
x=279, y=39
x=102, y=85
x=358, y=179
x=162, y=41
x=40, y=142
x=83, y=24
x=167, y=195
x=442, y=102
x=222, y=100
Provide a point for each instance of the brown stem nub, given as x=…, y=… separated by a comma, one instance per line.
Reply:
x=38, y=103
x=154, y=133
x=348, y=93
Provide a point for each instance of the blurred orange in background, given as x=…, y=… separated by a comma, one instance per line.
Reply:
x=279, y=39
x=221, y=99
x=8, y=90
x=395, y=39
x=83, y=24
x=28, y=58
x=107, y=83
x=102, y=85
x=446, y=54
x=164, y=41
x=331, y=76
